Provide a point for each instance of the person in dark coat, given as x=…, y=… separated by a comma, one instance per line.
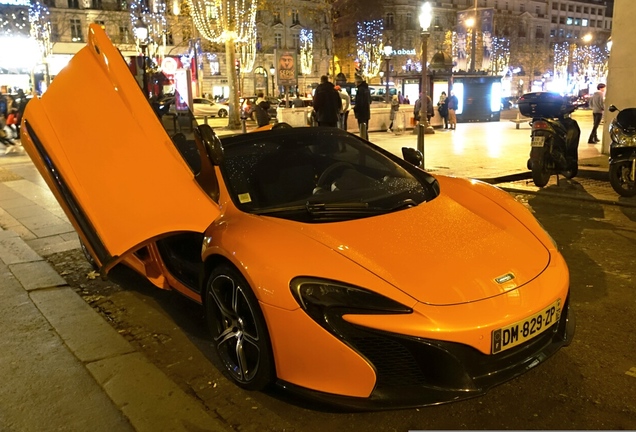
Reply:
x=260, y=111
x=327, y=104
x=362, y=105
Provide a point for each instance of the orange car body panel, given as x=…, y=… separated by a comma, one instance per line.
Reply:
x=119, y=174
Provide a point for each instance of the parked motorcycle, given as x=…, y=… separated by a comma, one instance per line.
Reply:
x=555, y=136
x=622, y=162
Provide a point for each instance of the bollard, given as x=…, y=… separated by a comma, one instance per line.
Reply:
x=421, y=130
x=205, y=119
x=243, y=124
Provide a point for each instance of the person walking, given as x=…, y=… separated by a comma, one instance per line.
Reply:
x=261, y=113
x=597, y=103
x=327, y=103
x=442, y=107
x=346, y=106
x=453, y=103
x=395, y=108
x=362, y=106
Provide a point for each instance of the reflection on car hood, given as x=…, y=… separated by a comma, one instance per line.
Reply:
x=450, y=250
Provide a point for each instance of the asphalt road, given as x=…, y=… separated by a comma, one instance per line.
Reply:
x=589, y=385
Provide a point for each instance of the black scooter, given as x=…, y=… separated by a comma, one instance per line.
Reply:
x=555, y=136
x=622, y=162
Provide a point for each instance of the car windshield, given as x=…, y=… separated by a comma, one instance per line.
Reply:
x=319, y=175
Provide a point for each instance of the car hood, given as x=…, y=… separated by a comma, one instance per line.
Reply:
x=460, y=247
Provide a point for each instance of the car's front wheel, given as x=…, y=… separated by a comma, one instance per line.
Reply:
x=238, y=329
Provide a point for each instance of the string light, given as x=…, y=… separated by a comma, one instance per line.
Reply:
x=370, y=46
x=41, y=27
x=306, y=51
x=223, y=20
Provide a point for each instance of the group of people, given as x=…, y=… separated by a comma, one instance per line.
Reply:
x=11, y=111
x=332, y=104
x=447, y=107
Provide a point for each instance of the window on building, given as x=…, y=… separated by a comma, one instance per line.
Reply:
x=276, y=17
x=563, y=6
x=169, y=38
x=101, y=24
x=124, y=35
x=295, y=41
x=259, y=44
x=537, y=10
x=76, y=30
x=539, y=32
x=522, y=7
x=561, y=20
x=577, y=21
x=552, y=33
x=578, y=9
x=586, y=9
x=569, y=21
x=599, y=23
x=592, y=23
x=278, y=40
x=570, y=8
x=73, y=4
x=593, y=11
x=295, y=17
x=585, y=22
x=49, y=3
x=554, y=19
x=389, y=20
x=55, y=33
x=409, y=21
x=555, y=6
x=259, y=16
x=96, y=4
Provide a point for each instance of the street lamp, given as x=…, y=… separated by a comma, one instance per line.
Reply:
x=381, y=76
x=272, y=72
x=388, y=50
x=426, y=15
x=471, y=23
x=141, y=33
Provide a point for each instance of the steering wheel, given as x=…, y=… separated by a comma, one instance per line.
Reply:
x=326, y=174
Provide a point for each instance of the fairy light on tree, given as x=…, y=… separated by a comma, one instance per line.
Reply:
x=370, y=47
x=230, y=22
x=40, y=27
x=155, y=21
x=306, y=39
x=500, y=55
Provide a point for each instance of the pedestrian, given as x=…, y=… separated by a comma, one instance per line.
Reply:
x=417, y=108
x=400, y=97
x=597, y=103
x=407, y=101
x=442, y=107
x=327, y=103
x=453, y=103
x=298, y=102
x=260, y=111
x=430, y=111
x=362, y=106
x=395, y=108
x=22, y=101
x=346, y=107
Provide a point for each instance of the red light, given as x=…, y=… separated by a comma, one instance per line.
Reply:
x=540, y=125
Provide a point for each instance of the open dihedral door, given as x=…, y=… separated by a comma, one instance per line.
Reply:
x=106, y=157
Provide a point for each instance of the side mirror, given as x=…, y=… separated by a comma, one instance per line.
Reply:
x=612, y=108
x=412, y=156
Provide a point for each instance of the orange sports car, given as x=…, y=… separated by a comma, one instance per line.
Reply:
x=325, y=264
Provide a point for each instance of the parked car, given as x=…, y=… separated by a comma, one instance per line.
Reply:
x=205, y=107
x=324, y=264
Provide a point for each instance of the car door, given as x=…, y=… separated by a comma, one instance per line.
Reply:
x=106, y=157
x=203, y=107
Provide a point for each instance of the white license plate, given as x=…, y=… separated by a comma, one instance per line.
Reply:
x=521, y=331
x=537, y=141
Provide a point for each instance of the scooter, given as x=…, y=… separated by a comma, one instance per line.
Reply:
x=554, y=138
x=622, y=162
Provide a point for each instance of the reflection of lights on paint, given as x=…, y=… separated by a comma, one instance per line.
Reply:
x=169, y=65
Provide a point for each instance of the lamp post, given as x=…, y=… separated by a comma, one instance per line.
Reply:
x=471, y=23
x=381, y=77
x=426, y=15
x=141, y=33
x=388, y=50
x=272, y=72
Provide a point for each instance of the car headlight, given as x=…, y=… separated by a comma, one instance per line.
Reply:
x=326, y=301
x=620, y=138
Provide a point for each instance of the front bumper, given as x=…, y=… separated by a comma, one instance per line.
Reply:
x=414, y=372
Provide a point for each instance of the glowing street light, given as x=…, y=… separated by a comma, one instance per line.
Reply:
x=388, y=50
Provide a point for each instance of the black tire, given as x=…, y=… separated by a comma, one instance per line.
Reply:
x=222, y=113
x=619, y=179
x=540, y=173
x=571, y=173
x=238, y=329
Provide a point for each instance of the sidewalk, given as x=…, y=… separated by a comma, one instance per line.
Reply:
x=65, y=368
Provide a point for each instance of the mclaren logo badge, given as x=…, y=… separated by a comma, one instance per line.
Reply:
x=504, y=278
